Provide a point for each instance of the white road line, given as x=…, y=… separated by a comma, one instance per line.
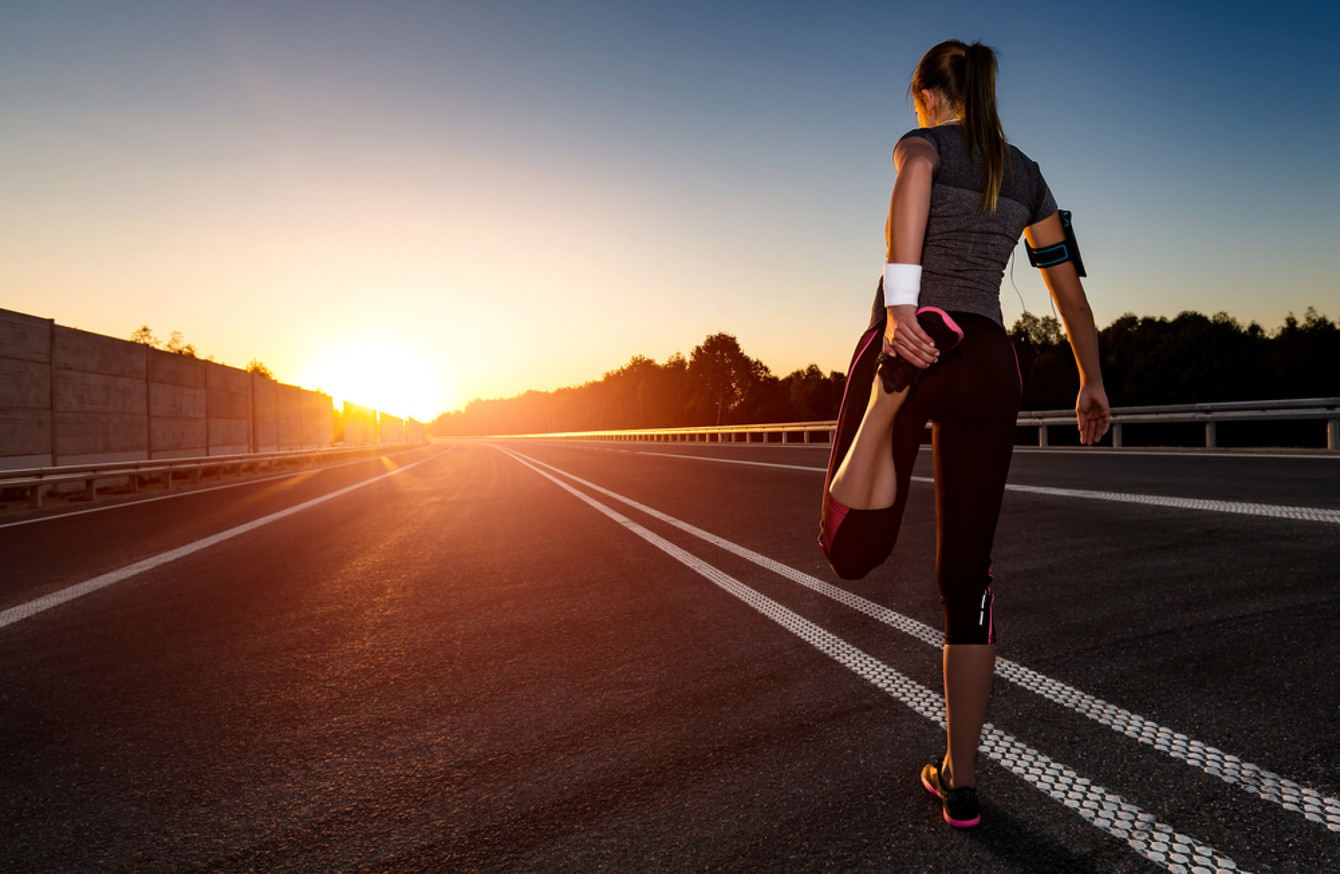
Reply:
x=735, y=461
x=1308, y=454
x=1105, y=810
x=69, y=593
x=1244, y=508
x=1251, y=778
x=122, y=504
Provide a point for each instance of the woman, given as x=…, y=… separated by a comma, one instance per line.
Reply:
x=936, y=350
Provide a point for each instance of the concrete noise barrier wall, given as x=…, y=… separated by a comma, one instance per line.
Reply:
x=26, y=400
x=71, y=397
x=360, y=425
x=391, y=428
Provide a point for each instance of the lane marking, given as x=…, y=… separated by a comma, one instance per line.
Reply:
x=69, y=593
x=1252, y=779
x=1104, y=810
x=185, y=494
x=1306, y=454
x=1244, y=508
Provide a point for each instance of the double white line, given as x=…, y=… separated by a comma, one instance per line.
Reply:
x=1142, y=831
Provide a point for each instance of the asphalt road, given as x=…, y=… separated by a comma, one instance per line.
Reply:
x=542, y=656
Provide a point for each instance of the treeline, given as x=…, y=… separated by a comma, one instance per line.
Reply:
x=1189, y=359
x=1192, y=358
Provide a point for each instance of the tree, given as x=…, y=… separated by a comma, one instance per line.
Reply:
x=813, y=397
x=255, y=366
x=722, y=376
x=144, y=335
x=1039, y=331
x=178, y=346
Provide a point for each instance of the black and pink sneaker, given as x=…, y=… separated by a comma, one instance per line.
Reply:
x=960, y=805
x=898, y=373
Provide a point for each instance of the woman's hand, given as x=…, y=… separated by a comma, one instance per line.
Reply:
x=1093, y=414
x=903, y=337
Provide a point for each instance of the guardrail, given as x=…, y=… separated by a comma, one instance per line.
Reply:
x=1319, y=409
x=37, y=481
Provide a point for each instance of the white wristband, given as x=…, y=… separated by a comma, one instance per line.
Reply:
x=902, y=284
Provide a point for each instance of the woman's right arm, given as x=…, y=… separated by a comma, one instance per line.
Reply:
x=1092, y=411
x=916, y=161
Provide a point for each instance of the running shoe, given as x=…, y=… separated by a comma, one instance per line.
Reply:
x=898, y=373
x=960, y=805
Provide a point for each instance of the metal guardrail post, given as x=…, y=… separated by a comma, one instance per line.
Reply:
x=1211, y=435
x=1333, y=434
x=1116, y=435
x=1042, y=435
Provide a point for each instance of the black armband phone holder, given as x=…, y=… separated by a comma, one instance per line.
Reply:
x=1050, y=256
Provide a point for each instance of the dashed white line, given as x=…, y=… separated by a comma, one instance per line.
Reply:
x=1245, y=508
x=1251, y=778
x=1105, y=810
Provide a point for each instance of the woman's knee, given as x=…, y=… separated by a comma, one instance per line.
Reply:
x=968, y=614
x=861, y=541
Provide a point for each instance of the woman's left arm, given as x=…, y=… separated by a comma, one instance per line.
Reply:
x=1092, y=411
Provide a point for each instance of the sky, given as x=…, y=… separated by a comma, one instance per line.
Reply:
x=413, y=204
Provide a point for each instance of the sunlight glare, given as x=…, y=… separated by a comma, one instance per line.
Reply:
x=387, y=375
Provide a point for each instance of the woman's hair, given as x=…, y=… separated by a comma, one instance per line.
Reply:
x=965, y=75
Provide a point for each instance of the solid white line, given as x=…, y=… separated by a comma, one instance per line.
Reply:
x=188, y=493
x=69, y=593
x=1105, y=810
x=1244, y=508
x=1308, y=454
x=1320, y=455
x=1251, y=778
x=734, y=461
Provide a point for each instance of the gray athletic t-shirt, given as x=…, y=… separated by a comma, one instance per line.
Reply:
x=966, y=250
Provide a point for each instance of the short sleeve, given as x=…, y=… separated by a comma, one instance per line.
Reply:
x=922, y=132
x=1043, y=202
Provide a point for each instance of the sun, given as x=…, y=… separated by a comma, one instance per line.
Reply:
x=388, y=375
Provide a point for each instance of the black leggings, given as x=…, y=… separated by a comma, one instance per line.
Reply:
x=972, y=398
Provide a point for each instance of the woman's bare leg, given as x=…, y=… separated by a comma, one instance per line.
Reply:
x=968, y=670
x=867, y=478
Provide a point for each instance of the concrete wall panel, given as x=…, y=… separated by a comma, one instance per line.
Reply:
x=265, y=416
x=177, y=438
x=391, y=429
x=81, y=392
x=221, y=377
x=93, y=353
x=173, y=369
x=25, y=436
x=317, y=420
x=176, y=401
x=360, y=425
x=84, y=437
x=229, y=392
x=265, y=437
x=25, y=338
x=325, y=421
x=288, y=414
x=228, y=436
x=24, y=385
x=229, y=405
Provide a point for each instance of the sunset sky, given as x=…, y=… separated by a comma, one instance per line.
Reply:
x=413, y=204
